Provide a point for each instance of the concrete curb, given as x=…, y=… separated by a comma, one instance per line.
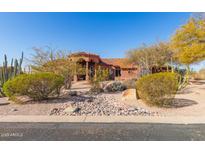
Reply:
x=104, y=119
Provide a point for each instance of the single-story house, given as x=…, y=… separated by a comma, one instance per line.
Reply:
x=119, y=68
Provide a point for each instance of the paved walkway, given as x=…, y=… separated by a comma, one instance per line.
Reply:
x=81, y=86
x=105, y=119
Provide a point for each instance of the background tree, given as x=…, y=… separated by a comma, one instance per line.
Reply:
x=46, y=54
x=55, y=61
x=141, y=57
x=147, y=57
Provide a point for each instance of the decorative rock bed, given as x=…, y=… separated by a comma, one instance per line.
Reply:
x=99, y=105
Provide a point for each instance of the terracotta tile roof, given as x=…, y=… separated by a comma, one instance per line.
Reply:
x=116, y=62
x=121, y=62
x=85, y=54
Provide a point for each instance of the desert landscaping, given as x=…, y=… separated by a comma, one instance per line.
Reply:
x=188, y=102
x=76, y=102
x=155, y=80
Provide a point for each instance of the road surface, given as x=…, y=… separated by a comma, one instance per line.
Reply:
x=100, y=131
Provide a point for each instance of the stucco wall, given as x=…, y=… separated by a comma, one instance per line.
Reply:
x=128, y=74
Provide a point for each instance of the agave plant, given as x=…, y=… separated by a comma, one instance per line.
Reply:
x=9, y=71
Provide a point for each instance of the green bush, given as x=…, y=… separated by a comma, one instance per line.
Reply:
x=158, y=89
x=37, y=86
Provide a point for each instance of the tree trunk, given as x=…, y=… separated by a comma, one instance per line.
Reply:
x=172, y=66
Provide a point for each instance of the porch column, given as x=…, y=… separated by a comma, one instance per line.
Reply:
x=75, y=77
x=95, y=76
x=87, y=71
x=114, y=73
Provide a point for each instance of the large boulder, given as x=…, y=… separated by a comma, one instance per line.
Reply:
x=129, y=94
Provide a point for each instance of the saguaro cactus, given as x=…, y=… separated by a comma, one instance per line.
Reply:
x=8, y=72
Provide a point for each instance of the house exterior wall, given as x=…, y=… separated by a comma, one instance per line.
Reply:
x=129, y=74
x=116, y=72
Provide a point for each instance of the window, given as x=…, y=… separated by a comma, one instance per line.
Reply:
x=117, y=72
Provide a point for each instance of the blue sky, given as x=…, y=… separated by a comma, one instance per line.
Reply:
x=106, y=34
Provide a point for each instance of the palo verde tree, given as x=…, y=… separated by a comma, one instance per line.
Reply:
x=188, y=44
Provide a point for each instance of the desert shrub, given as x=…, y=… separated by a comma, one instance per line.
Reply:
x=17, y=85
x=115, y=86
x=199, y=75
x=37, y=86
x=130, y=84
x=158, y=89
x=100, y=76
x=96, y=89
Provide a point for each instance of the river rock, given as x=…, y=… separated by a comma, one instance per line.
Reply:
x=14, y=110
x=71, y=109
x=4, y=103
x=101, y=105
x=72, y=93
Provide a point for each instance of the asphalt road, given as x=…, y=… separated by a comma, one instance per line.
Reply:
x=100, y=132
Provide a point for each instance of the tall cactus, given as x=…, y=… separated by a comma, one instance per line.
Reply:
x=6, y=68
x=8, y=72
x=20, y=63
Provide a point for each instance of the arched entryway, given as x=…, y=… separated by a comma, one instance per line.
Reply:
x=81, y=74
x=88, y=70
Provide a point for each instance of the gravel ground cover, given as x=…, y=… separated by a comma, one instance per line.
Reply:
x=189, y=102
x=99, y=105
x=82, y=104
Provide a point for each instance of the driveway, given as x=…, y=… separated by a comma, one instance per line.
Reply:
x=101, y=132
